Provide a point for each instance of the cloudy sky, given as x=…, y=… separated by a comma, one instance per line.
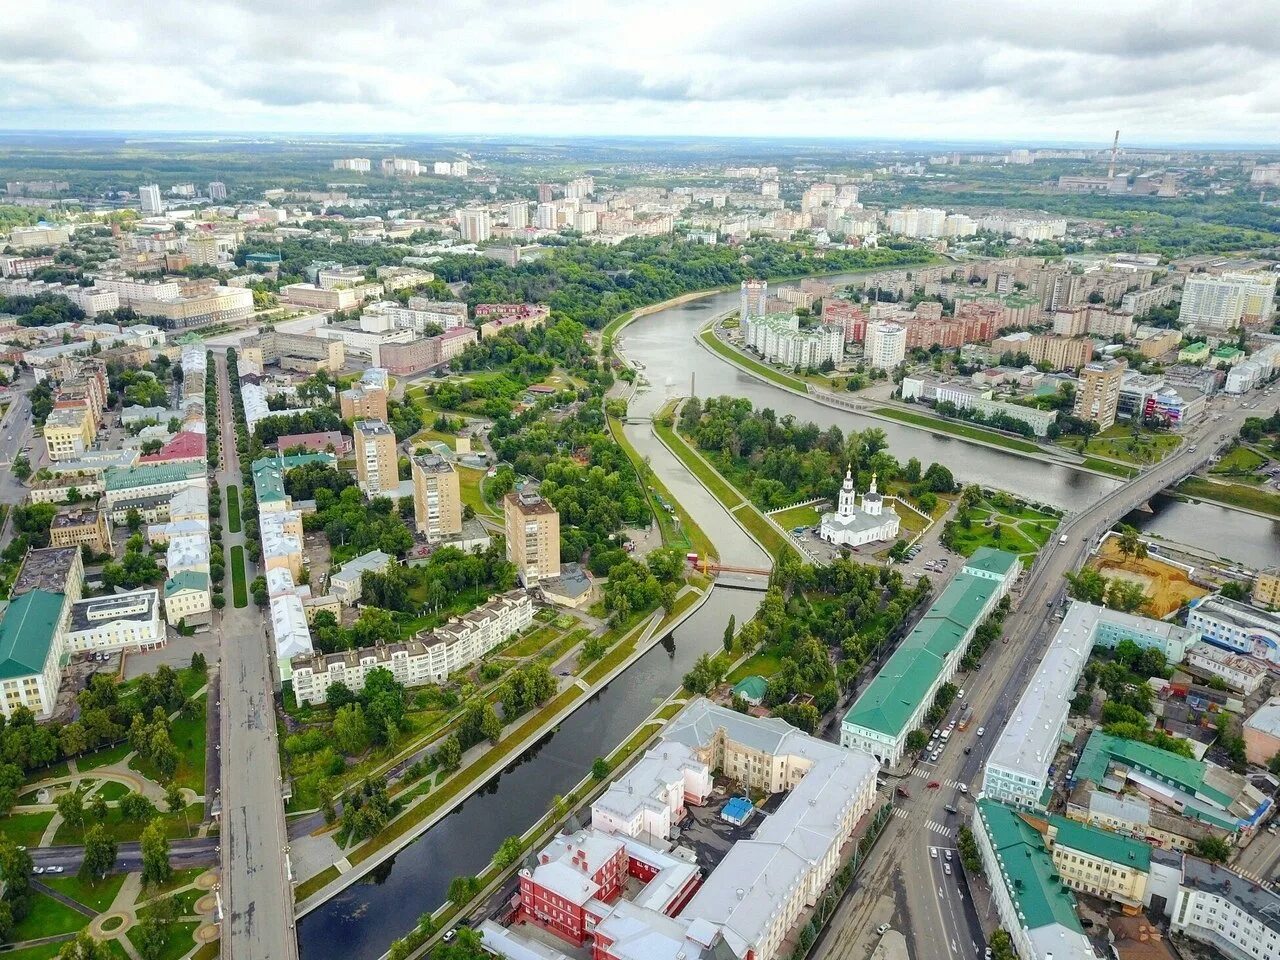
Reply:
x=1172, y=71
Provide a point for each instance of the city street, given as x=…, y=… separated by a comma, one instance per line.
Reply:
x=256, y=887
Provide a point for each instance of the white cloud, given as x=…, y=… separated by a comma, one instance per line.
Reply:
x=1161, y=71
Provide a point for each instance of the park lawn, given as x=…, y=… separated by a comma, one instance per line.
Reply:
x=1232, y=494
x=181, y=940
x=434, y=436
x=765, y=664
x=123, y=831
x=1240, y=462
x=116, y=951
x=471, y=486
x=979, y=535
x=188, y=735
x=47, y=917
x=239, y=589
x=233, y=509
x=720, y=488
x=95, y=895
x=1119, y=442
x=798, y=517
x=44, y=951
x=100, y=758
x=25, y=829
x=314, y=884
x=752, y=364
x=178, y=880
x=111, y=790
x=1110, y=466
x=532, y=643
x=186, y=903
x=958, y=428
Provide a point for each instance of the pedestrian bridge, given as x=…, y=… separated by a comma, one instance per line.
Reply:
x=743, y=581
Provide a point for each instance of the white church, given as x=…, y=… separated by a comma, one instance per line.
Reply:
x=851, y=525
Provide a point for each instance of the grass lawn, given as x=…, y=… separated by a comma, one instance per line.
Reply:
x=1240, y=462
x=765, y=664
x=233, y=509
x=100, y=758
x=111, y=790
x=188, y=735
x=46, y=951
x=532, y=643
x=471, y=486
x=1232, y=494
x=25, y=829
x=180, y=878
x=96, y=896
x=424, y=437
x=186, y=903
x=1111, y=467
x=180, y=943
x=47, y=918
x=798, y=517
x=959, y=429
x=239, y=589
x=314, y=884
x=1119, y=442
x=175, y=828
x=752, y=364
x=115, y=951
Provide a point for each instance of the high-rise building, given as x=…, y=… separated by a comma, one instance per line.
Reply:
x=376, y=467
x=1098, y=393
x=886, y=344
x=354, y=164
x=754, y=295
x=473, y=224
x=579, y=188
x=150, y=197
x=518, y=215
x=546, y=193
x=459, y=168
x=586, y=221
x=363, y=401
x=546, y=216
x=1226, y=301
x=533, y=535
x=437, y=498
x=217, y=190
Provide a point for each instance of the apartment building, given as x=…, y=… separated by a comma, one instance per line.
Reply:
x=1234, y=915
x=437, y=497
x=68, y=432
x=779, y=338
x=886, y=344
x=849, y=316
x=347, y=583
x=376, y=460
x=494, y=318
x=418, y=356
x=753, y=296
x=1220, y=303
x=187, y=598
x=474, y=224
x=81, y=527
x=532, y=527
x=894, y=703
x=1098, y=392
x=932, y=388
x=294, y=351
x=428, y=658
x=1240, y=673
x=1266, y=588
x=363, y=402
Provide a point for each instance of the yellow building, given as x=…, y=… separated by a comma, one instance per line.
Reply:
x=437, y=497
x=533, y=535
x=363, y=402
x=376, y=467
x=1098, y=862
x=68, y=432
x=81, y=527
x=1098, y=393
x=1266, y=589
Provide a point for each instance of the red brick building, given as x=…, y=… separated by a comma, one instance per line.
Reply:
x=848, y=315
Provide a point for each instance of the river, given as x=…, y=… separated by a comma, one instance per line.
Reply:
x=362, y=921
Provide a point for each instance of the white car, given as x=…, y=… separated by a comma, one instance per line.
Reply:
x=37, y=870
x=880, y=930
x=933, y=852
x=55, y=870
x=963, y=788
x=981, y=731
x=946, y=868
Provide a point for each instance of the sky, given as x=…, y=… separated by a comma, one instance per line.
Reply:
x=1189, y=71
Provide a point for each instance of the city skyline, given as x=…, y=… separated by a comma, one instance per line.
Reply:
x=1163, y=73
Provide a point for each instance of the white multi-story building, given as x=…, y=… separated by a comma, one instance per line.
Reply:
x=1238, y=627
x=1219, y=303
x=353, y=164
x=586, y=221
x=779, y=339
x=518, y=215
x=123, y=621
x=429, y=658
x=91, y=300
x=547, y=216
x=885, y=346
x=149, y=196
x=474, y=224
x=754, y=294
x=1231, y=913
x=1238, y=672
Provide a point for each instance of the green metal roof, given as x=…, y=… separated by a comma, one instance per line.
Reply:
x=128, y=478
x=889, y=701
x=1102, y=844
x=752, y=687
x=1029, y=874
x=27, y=631
x=186, y=580
x=1181, y=772
x=991, y=560
x=268, y=473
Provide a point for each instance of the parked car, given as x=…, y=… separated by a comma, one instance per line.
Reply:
x=948, y=856
x=946, y=868
x=933, y=852
x=933, y=785
x=880, y=930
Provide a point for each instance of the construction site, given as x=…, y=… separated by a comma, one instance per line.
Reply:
x=1168, y=585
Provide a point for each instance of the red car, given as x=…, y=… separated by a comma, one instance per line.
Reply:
x=934, y=785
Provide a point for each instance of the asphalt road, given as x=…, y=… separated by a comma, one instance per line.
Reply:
x=15, y=431
x=257, y=893
x=936, y=910
x=183, y=854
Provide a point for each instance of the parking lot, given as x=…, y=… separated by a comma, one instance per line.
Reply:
x=710, y=837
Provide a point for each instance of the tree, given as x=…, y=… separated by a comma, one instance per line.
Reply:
x=136, y=808
x=1126, y=595
x=462, y=889
x=1235, y=590
x=449, y=754
x=156, y=868
x=99, y=854
x=15, y=868
x=84, y=947
x=917, y=740
x=600, y=768
x=729, y=631
x=491, y=725
x=71, y=807
x=198, y=664
x=1088, y=585
x=21, y=467
x=133, y=520
x=1213, y=848
x=350, y=731
x=1131, y=545
x=149, y=938
x=507, y=853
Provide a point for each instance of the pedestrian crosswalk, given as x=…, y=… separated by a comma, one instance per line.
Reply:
x=1248, y=875
x=940, y=828
x=926, y=775
x=900, y=813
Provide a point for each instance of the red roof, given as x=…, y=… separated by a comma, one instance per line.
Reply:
x=184, y=446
